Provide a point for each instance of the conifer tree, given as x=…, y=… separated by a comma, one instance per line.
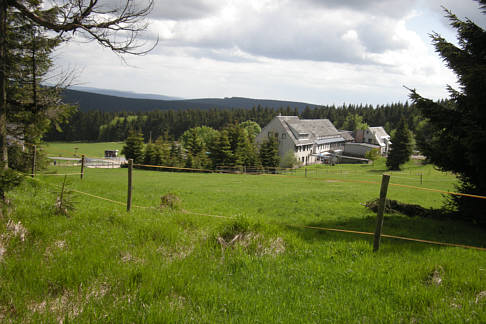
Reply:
x=401, y=147
x=150, y=154
x=457, y=127
x=133, y=148
x=269, y=154
x=220, y=150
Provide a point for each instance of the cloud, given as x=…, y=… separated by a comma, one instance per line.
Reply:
x=388, y=8
x=313, y=51
x=287, y=30
x=184, y=9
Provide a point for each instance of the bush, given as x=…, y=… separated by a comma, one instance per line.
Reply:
x=9, y=179
x=289, y=160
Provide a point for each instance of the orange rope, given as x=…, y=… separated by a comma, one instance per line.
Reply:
x=54, y=174
x=176, y=168
x=437, y=190
x=377, y=183
x=392, y=236
x=99, y=197
x=302, y=226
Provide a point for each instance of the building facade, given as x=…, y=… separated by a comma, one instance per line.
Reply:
x=310, y=140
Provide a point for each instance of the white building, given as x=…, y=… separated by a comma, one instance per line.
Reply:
x=375, y=135
x=311, y=140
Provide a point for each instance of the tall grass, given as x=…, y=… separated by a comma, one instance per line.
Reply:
x=102, y=264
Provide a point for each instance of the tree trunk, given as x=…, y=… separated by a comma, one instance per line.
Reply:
x=3, y=84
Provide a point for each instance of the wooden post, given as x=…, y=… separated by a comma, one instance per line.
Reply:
x=82, y=166
x=129, y=196
x=306, y=172
x=34, y=153
x=381, y=209
x=421, y=180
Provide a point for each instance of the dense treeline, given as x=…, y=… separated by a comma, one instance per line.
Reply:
x=203, y=147
x=115, y=126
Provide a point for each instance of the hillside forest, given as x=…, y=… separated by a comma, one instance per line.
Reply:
x=97, y=125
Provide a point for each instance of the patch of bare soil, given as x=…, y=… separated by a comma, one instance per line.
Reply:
x=253, y=242
x=13, y=230
x=70, y=303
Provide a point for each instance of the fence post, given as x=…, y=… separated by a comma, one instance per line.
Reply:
x=306, y=172
x=82, y=166
x=381, y=208
x=129, y=196
x=34, y=153
x=421, y=180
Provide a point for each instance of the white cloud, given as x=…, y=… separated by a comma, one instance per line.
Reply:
x=315, y=51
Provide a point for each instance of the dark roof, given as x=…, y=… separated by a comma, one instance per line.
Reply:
x=347, y=135
x=308, y=131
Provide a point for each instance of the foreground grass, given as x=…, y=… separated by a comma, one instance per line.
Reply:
x=102, y=264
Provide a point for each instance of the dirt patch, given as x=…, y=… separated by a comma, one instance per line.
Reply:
x=171, y=201
x=481, y=297
x=70, y=303
x=3, y=249
x=16, y=230
x=58, y=245
x=253, y=243
x=275, y=247
x=178, y=252
x=176, y=301
x=13, y=230
x=126, y=257
x=435, y=277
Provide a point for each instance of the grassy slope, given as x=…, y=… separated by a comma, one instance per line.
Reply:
x=104, y=265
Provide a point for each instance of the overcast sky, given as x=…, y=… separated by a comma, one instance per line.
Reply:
x=315, y=51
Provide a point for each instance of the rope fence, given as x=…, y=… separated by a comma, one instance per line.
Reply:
x=282, y=172
x=188, y=212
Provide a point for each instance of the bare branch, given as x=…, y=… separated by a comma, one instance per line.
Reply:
x=104, y=25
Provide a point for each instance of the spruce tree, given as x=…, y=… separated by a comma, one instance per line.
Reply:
x=269, y=154
x=220, y=150
x=401, y=147
x=150, y=154
x=133, y=148
x=457, y=127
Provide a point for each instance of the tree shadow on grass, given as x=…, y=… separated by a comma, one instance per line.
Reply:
x=446, y=231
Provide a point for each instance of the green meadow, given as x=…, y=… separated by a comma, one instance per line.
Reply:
x=76, y=149
x=235, y=248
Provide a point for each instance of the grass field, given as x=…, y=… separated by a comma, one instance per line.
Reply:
x=76, y=149
x=255, y=264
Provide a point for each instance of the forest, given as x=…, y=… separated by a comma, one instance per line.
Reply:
x=98, y=125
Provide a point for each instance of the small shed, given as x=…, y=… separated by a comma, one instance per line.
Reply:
x=111, y=153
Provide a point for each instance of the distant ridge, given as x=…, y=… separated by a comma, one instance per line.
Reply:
x=97, y=101
x=124, y=94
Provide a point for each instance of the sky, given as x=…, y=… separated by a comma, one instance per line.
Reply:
x=316, y=51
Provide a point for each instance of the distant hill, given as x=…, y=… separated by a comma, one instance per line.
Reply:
x=98, y=101
x=124, y=94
